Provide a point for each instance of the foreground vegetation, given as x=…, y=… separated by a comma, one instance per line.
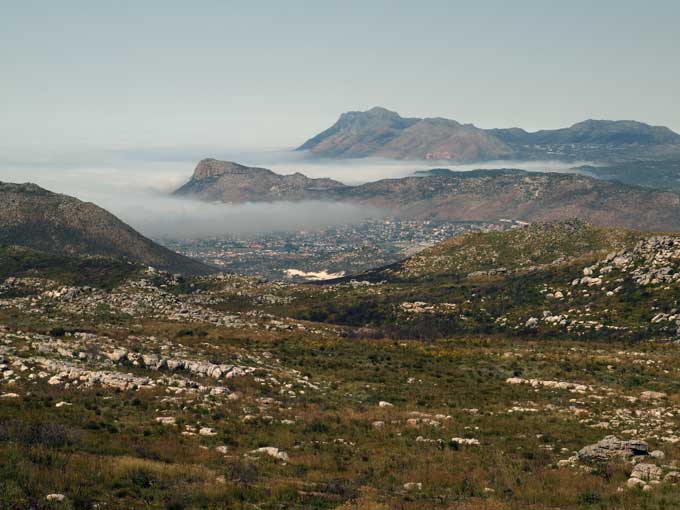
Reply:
x=156, y=392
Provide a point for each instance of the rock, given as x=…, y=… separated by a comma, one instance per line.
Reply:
x=532, y=322
x=207, y=431
x=658, y=454
x=611, y=447
x=166, y=420
x=465, y=441
x=273, y=452
x=378, y=424
x=672, y=477
x=413, y=486
x=117, y=356
x=653, y=395
x=175, y=364
x=55, y=497
x=222, y=449
x=635, y=482
x=646, y=472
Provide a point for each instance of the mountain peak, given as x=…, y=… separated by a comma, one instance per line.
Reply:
x=384, y=133
x=232, y=182
x=209, y=167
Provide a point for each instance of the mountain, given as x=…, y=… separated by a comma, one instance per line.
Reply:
x=380, y=132
x=660, y=174
x=225, y=181
x=480, y=195
x=605, y=132
x=32, y=217
x=383, y=133
x=529, y=196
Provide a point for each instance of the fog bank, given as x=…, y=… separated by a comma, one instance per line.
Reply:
x=137, y=187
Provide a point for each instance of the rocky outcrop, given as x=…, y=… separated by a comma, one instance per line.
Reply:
x=226, y=181
x=611, y=447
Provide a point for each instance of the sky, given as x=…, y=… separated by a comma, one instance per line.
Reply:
x=115, y=102
x=175, y=79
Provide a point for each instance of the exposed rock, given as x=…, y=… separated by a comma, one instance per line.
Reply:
x=658, y=454
x=611, y=447
x=273, y=452
x=646, y=472
x=465, y=441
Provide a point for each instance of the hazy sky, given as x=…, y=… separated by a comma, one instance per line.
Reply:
x=77, y=76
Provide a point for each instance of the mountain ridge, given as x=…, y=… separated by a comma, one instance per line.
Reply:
x=480, y=195
x=383, y=133
x=33, y=217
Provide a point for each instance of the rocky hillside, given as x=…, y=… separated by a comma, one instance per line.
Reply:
x=482, y=195
x=536, y=246
x=383, y=133
x=550, y=375
x=35, y=218
x=527, y=196
x=565, y=278
x=225, y=181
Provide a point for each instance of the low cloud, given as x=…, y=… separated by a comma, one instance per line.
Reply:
x=137, y=188
x=140, y=195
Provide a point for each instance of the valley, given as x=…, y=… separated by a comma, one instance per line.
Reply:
x=346, y=249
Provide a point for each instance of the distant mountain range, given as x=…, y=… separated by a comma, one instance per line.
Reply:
x=32, y=217
x=383, y=133
x=442, y=194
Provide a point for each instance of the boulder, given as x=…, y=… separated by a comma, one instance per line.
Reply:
x=611, y=447
x=273, y=452
x=646, y=472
